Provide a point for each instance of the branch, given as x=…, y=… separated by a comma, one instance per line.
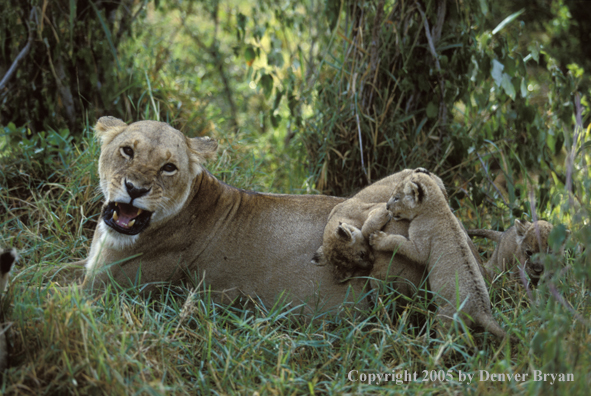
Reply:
x=21, y=55
x=212, y=50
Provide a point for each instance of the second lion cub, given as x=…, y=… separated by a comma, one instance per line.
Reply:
x=518, y=244
x=437, y=240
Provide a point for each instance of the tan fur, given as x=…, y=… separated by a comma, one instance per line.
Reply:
x=437, y=240
x=517, y=245
x=7, y=260
x=402, y=274
x=239, y=243
x=345, y=244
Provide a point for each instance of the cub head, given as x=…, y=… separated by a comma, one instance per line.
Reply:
x=346, y=250
x=146, y=173
x=7, y=259
x=529, y=245
x=409, y=195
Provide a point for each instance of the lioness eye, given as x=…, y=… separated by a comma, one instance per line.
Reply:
x=128, y=151
x=169, y=168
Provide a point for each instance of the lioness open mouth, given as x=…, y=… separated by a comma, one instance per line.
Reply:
x=126, y=218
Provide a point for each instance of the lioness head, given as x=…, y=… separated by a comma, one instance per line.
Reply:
x=348, y=251
x=529, y=245
x=146, y=172
x=7, y=259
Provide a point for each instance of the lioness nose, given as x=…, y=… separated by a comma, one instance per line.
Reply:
x=135, y=192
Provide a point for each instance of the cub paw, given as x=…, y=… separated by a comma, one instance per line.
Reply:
x=380, y=213
x=376, y=239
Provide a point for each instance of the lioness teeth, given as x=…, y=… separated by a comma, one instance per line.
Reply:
x=115, y=216
x=139, y=211
x=115, y=203
x=131, y=223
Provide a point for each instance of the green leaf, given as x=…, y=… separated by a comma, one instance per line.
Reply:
x=275, y=120
x=508, y=86
x=584, y=146
x=278, y=97
x=249, y=55
x=266, y=82
x=534, y=49
x=523, y=88
x=507, y=21
x=484, y=7
x=497, y=72
x=432, y=110
x=241, y=22
x=538, y=341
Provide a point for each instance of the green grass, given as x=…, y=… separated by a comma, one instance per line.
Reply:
x=180, y=342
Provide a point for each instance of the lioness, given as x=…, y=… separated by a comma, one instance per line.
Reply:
x=518, y=244
x=437, y=240
x=167, y=219
x=7, y=259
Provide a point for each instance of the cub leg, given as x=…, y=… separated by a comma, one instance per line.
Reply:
x=376, y=220
x=388, y=242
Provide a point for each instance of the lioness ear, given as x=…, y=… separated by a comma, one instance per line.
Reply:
x=344, y=231
x=319, y=258
x=108, y=127
x=204, y=148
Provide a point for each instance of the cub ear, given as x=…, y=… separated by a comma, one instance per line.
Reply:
x=521, y=226
x=108, y=127
x=202, y=148
x=422, y=170
x=344, y=231
x=319, y=258
x=415, y=190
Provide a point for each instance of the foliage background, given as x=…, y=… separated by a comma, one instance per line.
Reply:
x=304, y=97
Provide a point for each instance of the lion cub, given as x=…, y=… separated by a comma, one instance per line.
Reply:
x=7, y=259
x=437, y=240
x=345, y=242
x=517, y=245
